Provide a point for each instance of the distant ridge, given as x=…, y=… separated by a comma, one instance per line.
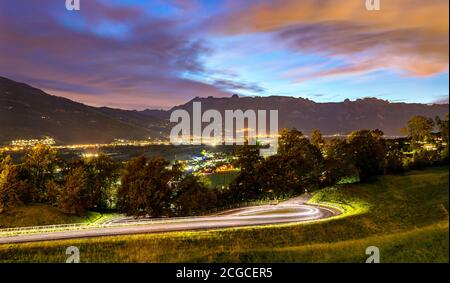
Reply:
x=330, y=118
x=27, y=112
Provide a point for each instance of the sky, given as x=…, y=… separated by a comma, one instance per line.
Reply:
x=138, y=54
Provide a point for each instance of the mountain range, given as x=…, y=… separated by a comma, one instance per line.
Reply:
x=27, y=112
x=330, y=118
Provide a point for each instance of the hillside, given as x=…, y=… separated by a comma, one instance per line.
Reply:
x=27, y=112
x=387, y=213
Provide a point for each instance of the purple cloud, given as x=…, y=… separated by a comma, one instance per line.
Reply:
x=140, y=65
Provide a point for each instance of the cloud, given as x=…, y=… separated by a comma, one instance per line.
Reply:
x=230, y=85
x=84, y=55
x=144, y=54
x=409, y=37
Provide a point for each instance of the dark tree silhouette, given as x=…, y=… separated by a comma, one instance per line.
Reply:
x=146, y=187
x=368, y=153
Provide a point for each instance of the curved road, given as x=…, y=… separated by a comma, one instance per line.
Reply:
x=293, y=210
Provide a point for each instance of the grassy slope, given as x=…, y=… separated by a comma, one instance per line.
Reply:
x=407, y=219
x=36, y=215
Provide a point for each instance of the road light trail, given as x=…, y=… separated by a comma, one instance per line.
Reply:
x=288, y=212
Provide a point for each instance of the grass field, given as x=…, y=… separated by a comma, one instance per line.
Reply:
x=220, y=179
x=39, y=214
x=406, y=216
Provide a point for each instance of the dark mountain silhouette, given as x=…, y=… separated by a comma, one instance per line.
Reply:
x=330, y=118
x=161, y=114
x=27, y=112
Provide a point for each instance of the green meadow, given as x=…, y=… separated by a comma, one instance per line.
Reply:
x=219, y=179
x=41, y=214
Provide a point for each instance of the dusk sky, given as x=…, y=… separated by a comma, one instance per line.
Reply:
x=137, y=54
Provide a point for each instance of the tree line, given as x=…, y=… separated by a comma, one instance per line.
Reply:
x=141, y=186
x=154, y=187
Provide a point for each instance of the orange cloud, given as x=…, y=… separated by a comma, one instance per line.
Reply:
x=413, y=34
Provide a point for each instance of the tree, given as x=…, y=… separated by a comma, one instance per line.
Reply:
x=102, y=173
x=317, y=139
x=245, y=186
x=304, y=159
x=394, y=157
x=419, y=129
x=297, y=166
x=424, y=158
x=146, y=187
x=54, y=190
x=276, y=177
x=193, y=197
x=290, y=141
x=443, y=127
x=39, y=166
x=368, y=151
x=247, y=157
x=338, y=161
x=10, y=186
x=74, y=197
